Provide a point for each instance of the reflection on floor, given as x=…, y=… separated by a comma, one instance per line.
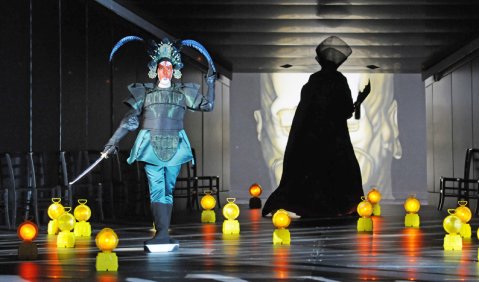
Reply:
x=321, y=250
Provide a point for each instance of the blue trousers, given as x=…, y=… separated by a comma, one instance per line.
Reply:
x=161, y=180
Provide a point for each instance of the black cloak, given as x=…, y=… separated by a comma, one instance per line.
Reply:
x=321, y=175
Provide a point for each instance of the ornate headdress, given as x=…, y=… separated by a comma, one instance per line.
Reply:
x=165, y=51
x=334, y=49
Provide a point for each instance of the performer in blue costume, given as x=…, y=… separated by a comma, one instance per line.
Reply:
x=162, y=143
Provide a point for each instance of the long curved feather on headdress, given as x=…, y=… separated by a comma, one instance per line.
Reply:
x=122, y=42
x=196, y=45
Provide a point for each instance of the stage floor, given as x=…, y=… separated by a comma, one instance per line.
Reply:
x=321, y=250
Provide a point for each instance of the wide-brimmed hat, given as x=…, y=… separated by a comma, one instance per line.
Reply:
x=333, y=49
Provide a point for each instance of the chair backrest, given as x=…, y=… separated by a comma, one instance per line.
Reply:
x=471, y=154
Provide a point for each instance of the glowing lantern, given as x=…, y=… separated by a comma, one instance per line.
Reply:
x=231, y=212
x=465, y=214
x=365, y=210
x=66, y=222
x=374, y=196
x=281, y=221
x=106, y=240
x=82, y=213
x=54, y=211
x=27, y=232
x=208, y=203
x=452, y=224
x=412, y=206
x=255, y=191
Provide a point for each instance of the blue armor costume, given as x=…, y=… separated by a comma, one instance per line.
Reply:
x=162, y=143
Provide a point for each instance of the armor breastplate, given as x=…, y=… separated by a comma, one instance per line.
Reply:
x=163, y=113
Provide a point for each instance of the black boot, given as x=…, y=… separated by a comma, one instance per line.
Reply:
x=161, y=215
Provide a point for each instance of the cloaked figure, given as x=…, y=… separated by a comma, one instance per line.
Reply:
x=321, y=175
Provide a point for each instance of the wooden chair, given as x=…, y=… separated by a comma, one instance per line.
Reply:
x=196, y=186
x=464, y=189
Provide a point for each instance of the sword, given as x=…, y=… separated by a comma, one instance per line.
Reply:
x=103, y=155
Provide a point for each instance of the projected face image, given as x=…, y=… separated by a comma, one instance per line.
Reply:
x=374, y=136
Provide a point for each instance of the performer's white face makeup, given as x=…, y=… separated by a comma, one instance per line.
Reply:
x=165, y=73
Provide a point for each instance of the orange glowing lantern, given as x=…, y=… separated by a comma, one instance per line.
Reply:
x=255, y=190
x=208, y=202
x=27, y=231
x=82, y=212
x=55, y=209
x=365, y=209
x=106, y=240
x=374, y=196
x=412, y=205
x=463, y=212
x=281, y=219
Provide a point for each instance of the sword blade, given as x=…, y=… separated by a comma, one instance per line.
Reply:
x=92, y=166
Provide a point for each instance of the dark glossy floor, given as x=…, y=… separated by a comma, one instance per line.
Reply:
x=321, y=250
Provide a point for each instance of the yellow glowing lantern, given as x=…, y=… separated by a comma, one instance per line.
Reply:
x=463, y=212
x=374, y=196
x=231, y=210
x=412, y=205
x=365, y=208
x=27, y=231
x=106, y=240
x=452, y=224
x=66, y=221
x=208, y=202
x=281, y=219
x=82, y=212
x=55, y=209
x=255, y=190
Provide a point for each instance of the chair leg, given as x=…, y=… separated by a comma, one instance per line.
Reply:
x=441, y=201
x=7, y=207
